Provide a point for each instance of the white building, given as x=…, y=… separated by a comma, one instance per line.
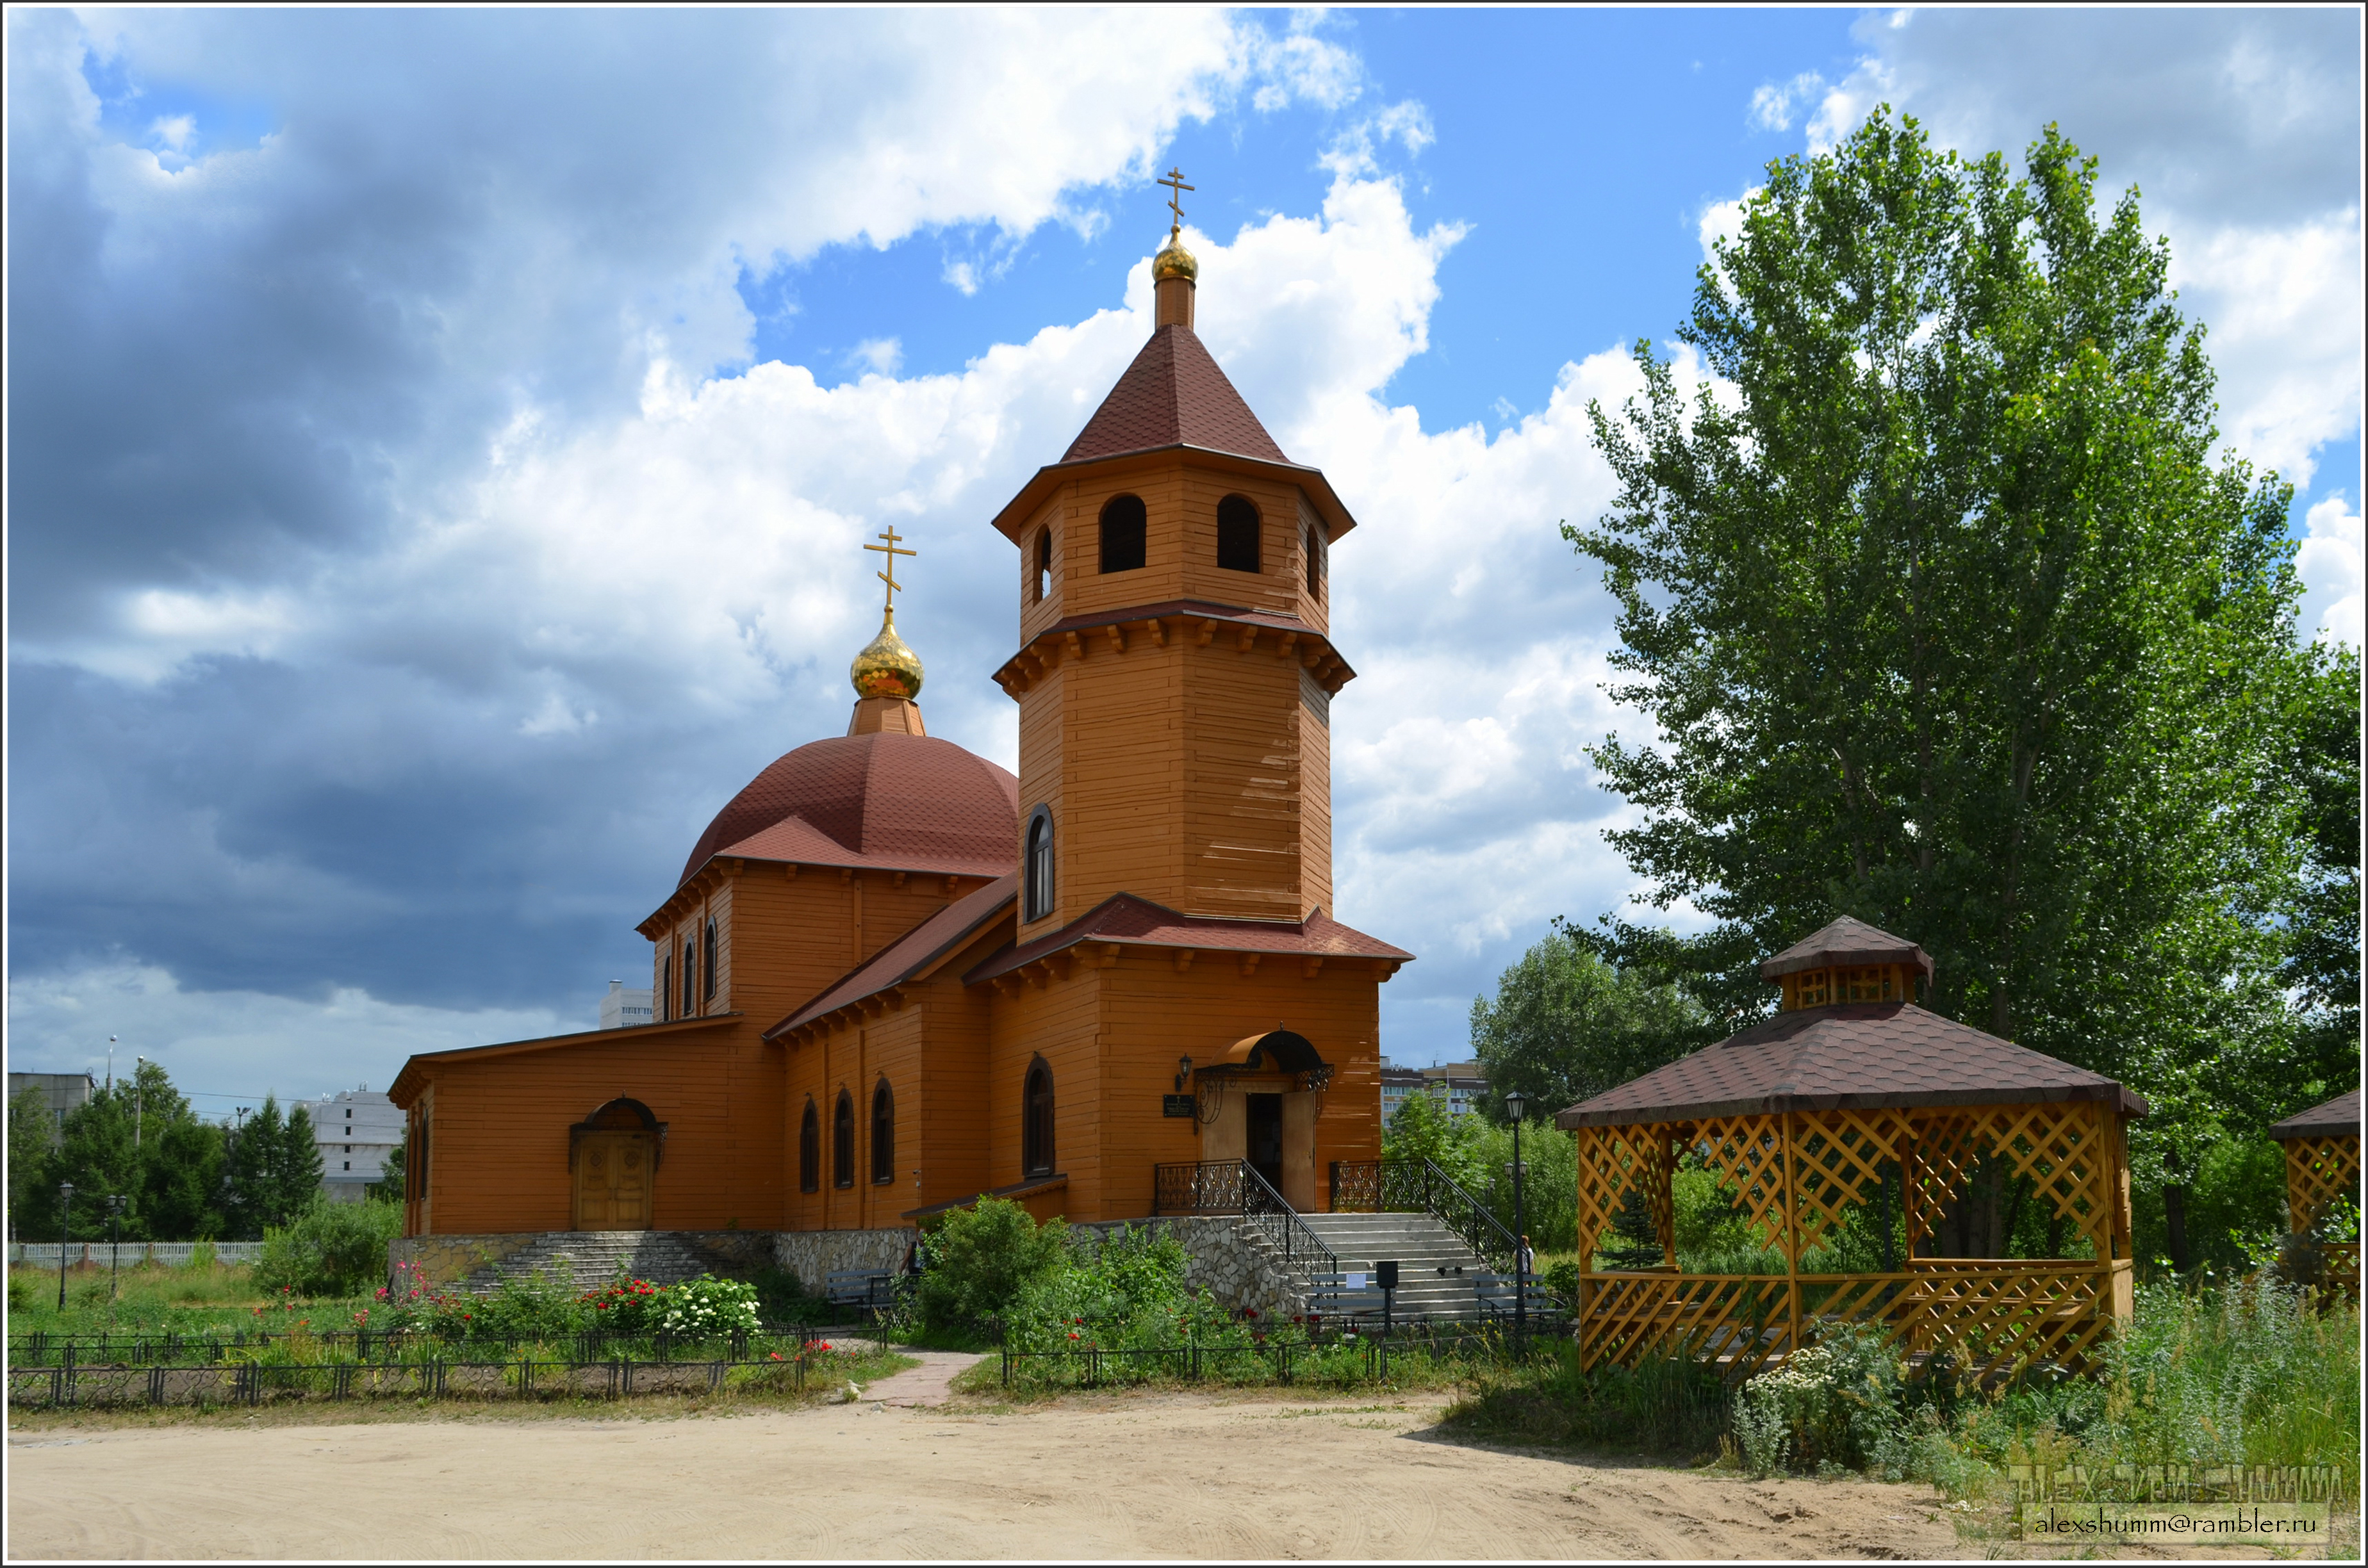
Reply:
x=60, y=1093
x=355, y=1131
x=623, y=1008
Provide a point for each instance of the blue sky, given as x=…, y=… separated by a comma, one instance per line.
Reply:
x=439, y=440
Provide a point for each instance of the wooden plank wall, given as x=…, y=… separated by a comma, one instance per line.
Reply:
x=1243, y=782
x=497, y=1156
x=1314, y=795
x=1058, y=1021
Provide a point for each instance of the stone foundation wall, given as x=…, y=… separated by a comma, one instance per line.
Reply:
x=814, y=1256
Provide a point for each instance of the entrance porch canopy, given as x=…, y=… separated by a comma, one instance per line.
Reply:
x=1825, y=1109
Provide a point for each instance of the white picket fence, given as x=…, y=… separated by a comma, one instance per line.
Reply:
x=166, y=1254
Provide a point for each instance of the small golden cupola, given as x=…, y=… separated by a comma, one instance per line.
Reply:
x=887, y=673
x=1175, y=274
x=1846, y=961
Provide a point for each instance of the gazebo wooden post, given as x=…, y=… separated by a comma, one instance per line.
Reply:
x=1666, y=1148
x=1792, y=1235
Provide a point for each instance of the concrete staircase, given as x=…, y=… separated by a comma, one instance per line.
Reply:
x=589, y=1259
x=1436, y=1270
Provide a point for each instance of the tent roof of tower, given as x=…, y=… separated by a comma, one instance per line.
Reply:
x=1845, y=943
x=1852, y=1055
x=1125, y=920
x=1174, y=400
x=2336, y=1118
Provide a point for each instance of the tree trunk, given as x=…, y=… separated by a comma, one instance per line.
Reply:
x=2174, y=1213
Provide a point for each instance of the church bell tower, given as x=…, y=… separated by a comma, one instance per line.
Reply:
x=1176, y=669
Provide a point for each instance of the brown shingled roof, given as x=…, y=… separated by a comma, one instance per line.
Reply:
x=898, y=802
x=1845, y=942
x=1128, y=920
x=1172, y=395
x=910, y=954
x=1856, y=1055
x=2333, y=1120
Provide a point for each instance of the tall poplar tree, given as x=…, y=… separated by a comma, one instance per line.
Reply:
x=1950, y=621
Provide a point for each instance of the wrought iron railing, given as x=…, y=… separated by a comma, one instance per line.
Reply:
x=1407, y=1187
x=1237, y=1187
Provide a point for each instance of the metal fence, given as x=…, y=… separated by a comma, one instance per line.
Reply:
x=43, y=1349
x=72, y=1382
x=130, y=1254
x=1365, y=1358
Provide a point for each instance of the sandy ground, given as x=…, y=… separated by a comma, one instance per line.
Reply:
x=898, y=1475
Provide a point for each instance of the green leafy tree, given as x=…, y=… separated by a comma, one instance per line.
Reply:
x=2322, y=970
x=1421, y=1129
x=1949, y=621
x=296, y=1172
x=272, y=1170
x=31, y=1131
x=1565, y=1026
x=388, y=1187
x=95, y=1152
x=983, y=1258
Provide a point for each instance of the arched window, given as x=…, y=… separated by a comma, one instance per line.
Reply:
x=883, y=1133
x=1036, y=1121
x=1123, y=523
x=1039, y=864
x=689, y=977
x=710, y=992
x=666, y=987
x=1238, y=534
x=1314, y=564
x=842, y=1141
x=810, y=1149
x=1043, y=564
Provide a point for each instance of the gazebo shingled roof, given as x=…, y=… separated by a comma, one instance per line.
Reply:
x=1857, y=1055
x=1843, y=942
x=2333, y=1120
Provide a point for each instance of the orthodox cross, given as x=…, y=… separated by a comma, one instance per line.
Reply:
x=891, y=552
x=1174, y=181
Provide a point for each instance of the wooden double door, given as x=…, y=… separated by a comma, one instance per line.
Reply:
x=613, y=1181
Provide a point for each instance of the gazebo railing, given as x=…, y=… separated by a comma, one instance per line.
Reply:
x=1987, y=1313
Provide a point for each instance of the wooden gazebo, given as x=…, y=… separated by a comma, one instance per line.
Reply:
x=1852, y=1097
x=2322, y=1148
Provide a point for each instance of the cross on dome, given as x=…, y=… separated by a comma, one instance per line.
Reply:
x=1174, y=180
x=891, y=552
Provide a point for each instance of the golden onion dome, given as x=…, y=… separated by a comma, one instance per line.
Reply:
x=1175, y=262
x=886, y=667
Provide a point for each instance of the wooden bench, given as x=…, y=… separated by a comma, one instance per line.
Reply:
x=869, y=1288
x=1332, y=1298
x=1494, y=1295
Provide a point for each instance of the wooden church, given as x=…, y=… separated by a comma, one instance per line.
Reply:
x=892, y=977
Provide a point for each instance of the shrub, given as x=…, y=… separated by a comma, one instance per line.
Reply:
x=331, y=1249
x=981, y=1258
x=534, y=1308
x=628, y=1306
x=705, y=1307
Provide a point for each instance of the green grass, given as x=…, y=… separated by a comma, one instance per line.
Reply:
x=145, y=1300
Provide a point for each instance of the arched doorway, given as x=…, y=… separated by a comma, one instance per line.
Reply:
x=612, y=1159
x=1259, y=1102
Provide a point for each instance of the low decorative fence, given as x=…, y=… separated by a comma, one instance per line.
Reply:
x=129, y=1254
x=1343, y=1357
x=46, y=1369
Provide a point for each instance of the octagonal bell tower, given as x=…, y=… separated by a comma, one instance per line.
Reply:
x=1176, y=669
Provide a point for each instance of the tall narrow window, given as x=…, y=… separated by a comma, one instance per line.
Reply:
x=842, y=1141
x=810, y=1149
x=1238, y=534
x=1123, y=526
x=1036, y=1121
x=1040, y=864
x=1314, y=564
x=690, y=978
x=883, y=1134
x=1043, y=564
x=710, y=992
x=666, y=987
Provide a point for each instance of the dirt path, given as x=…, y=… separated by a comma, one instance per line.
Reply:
x=1163, y=1476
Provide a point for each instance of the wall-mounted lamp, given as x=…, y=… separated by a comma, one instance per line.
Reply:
x=1183, y=1072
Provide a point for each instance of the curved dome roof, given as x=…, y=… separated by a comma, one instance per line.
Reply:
x=898, y=802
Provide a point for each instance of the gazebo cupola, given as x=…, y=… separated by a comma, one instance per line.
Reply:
x=1849, y=960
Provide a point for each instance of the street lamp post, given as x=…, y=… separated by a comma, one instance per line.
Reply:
x=65, y=1230
x=114, y=1245
x=1515, y=1104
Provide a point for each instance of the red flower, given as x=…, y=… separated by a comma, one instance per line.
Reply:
x=774, y=1356
x=1249, y=1312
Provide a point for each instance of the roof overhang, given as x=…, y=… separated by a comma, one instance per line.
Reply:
x=420, y=1070
x=1311, y=480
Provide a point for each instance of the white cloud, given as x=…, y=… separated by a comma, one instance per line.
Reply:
x=1774, y=104
x=232, y=1047
x=881, y=356
x=2329, y=562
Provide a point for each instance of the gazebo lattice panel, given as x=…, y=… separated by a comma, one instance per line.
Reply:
x=1797, y=1176
x=2319, y=1170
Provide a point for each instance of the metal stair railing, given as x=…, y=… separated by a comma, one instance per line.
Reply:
x=1237, y=1187
x=1419, y=1186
